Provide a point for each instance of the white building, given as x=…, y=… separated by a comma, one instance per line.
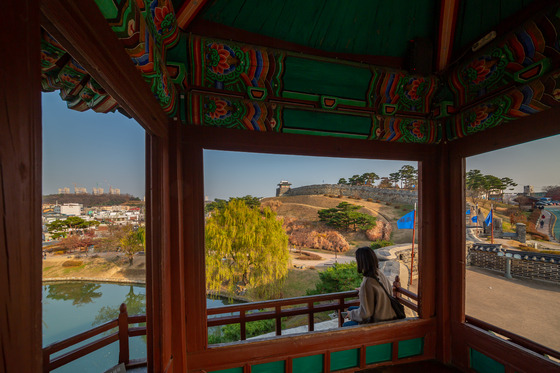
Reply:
x=71, y=209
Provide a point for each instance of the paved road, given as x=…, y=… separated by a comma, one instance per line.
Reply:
x=525, y=307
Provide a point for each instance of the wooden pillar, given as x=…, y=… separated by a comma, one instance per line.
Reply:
x=193, y=228
x=177, y=233
x=450, y=255
x=158, y=246
x=428, y=226
x=20, y=189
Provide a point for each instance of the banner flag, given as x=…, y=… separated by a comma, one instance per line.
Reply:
x=488, y=219
x=468, y=211
x=474, y=219
x=407, y=221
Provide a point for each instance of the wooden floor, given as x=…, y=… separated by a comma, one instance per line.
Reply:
x=431, y=366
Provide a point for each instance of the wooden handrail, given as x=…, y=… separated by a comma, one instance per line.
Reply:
x=307, y=306
x=514, y=338
x=122, y=335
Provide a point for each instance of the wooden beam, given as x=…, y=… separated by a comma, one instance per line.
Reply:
x=446, y=33
x=188, y=11
x=83, y=31
x=283, y=143
x=519, y=131
x=256, y=352
x=210, y=29
x=20, y=189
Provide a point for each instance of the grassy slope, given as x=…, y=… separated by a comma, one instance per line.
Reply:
x=305, y=208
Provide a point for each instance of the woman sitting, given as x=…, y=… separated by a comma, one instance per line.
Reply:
x=374, y=303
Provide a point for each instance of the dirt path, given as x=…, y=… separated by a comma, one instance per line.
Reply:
x=326, y=260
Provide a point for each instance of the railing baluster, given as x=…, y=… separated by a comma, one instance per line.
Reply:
x=242, y=324
x=278, y=320
x=310, y=318
x=124, y=356
x=342, y=308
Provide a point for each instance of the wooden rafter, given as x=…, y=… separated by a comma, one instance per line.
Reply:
x=188, y=11
x=446, y=33
x=83, y=31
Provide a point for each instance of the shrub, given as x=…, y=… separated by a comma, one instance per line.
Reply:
x=340, y=196
x=339, y=277
x=378, y=244
x=369, y=200
x=388, y=203
x=72, y=263
x=232, y=332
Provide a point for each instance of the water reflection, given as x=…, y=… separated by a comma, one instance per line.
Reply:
x=79, y=293
x=135, y=305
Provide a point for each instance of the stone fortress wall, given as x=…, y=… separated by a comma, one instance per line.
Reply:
x=362, y=191
x=519, y=264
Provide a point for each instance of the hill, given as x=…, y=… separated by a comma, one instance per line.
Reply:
x=305, y=208
x=90, y=200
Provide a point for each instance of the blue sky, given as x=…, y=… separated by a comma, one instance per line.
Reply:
x=92, y=149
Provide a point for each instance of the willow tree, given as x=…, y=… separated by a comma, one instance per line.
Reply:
x=245, y=248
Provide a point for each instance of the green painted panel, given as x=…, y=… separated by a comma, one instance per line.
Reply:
x=274, y=367
x=411, y=347
x=345, y=359
x=232, y=370
x=483, y=364
x=326, y=78
x=308, y=364
x=379, y=353
x=359, y=27
x=328, y=122
x=479, y=17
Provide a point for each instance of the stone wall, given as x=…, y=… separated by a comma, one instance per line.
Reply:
x=524, y=264
x=400, y=255
x=362, y=191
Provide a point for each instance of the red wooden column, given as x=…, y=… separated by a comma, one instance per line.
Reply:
x=450, y=269
x=20, y=189
x=193, y=230
x=166, y=334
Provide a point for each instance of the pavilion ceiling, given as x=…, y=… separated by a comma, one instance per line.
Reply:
x=203, y=79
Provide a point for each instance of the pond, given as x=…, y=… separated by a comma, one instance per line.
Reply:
x=70, y=308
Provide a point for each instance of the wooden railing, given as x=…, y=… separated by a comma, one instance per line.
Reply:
x=514, y=338
x=122, y=335
x=309, y=305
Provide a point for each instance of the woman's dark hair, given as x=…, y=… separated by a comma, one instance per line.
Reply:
x=367, y=262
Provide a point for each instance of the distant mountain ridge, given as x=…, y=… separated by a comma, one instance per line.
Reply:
x=90, y=200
